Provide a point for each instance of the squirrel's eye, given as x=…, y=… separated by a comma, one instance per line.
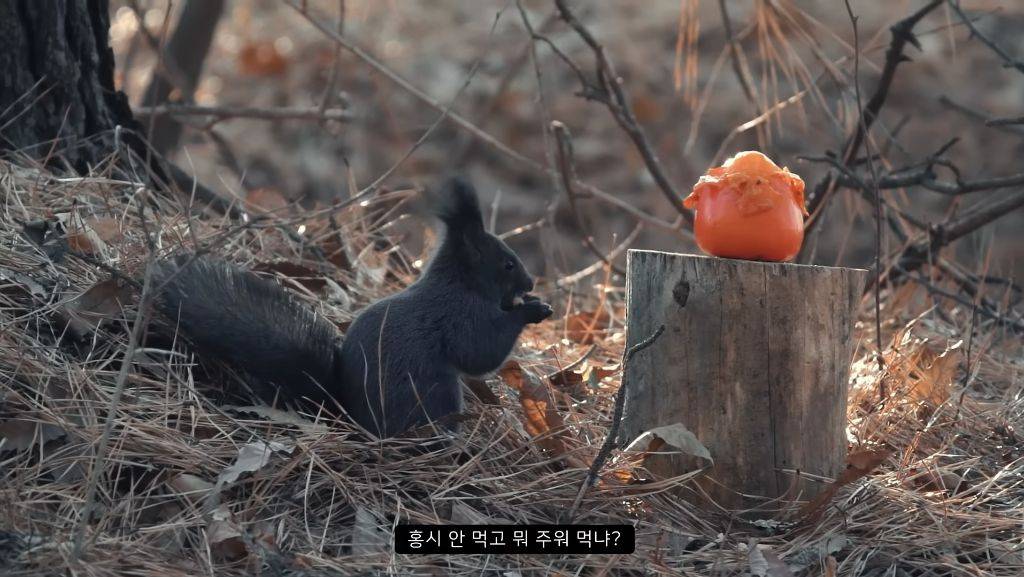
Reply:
x=509, y=265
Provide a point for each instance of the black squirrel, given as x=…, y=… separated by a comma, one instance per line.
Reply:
x=398, y=366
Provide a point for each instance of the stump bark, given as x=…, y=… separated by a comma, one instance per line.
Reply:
x=754, y=360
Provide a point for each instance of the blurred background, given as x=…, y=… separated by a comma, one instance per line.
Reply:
x=678, y=67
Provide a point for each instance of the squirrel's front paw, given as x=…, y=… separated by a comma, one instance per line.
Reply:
x=534, y=310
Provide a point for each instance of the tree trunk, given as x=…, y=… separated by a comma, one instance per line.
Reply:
x=57, y=96
x=185, y=54
x=754, y=361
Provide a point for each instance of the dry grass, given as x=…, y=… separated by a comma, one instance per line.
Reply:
x=186, y=490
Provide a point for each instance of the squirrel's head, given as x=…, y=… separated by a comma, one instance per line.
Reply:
x=486, y=263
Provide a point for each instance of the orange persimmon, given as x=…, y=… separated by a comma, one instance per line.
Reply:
x=749, y=208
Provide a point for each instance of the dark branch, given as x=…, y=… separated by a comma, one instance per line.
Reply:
x=902, y=34
x=613, y=96
x=613, y=431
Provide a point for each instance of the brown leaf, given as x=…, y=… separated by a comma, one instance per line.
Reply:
x=934, y=373
x=566, y=378
x=585, y=327
x=223, y=533
x=482, y=391
x=865, y=461
x=542, y=420
x=261, y=59
x=225, y=536
x=932, y=479
x=647, y=109
x=251, y=458
x=21, y=434
x=831, y=566
x=675, y=435
x=265, y=200
x=764, y=562
x=103, y=300
x=108, y=229
x=858, y=464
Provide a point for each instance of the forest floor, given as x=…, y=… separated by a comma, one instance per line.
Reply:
x=114, y=459
x=178, y=485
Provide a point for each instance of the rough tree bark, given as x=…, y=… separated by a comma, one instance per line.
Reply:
x=57, y=95
x=754, y=360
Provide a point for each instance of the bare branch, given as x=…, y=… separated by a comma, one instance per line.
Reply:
x=1008, y=61
x=613, y=431
x=979, y=115
x=1005, y=121
x=566, y=168
x=902, y=34
x=220, y=113
x=471, y=128
x=614, y=97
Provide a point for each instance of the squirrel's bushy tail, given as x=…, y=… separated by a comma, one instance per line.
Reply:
x=457, y=204
x=252, y=324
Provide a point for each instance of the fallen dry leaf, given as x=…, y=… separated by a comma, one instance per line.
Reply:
x=858, y=464
x=368, y=535
x=103, y=300
x=251, y=458
x=542, y=420
x=223, y=533
x=933, y=373
x=585, y=327
x=371, y=267
x=21, y=434
x=281, y=417
x=676, y=435
x=93, y=234
x=764, y=562
x=265, y=200
x=225, y=536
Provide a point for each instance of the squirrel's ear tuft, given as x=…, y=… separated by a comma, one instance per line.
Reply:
x=458, y=206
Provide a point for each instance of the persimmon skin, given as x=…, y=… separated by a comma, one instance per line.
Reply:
x=775, y=234
x=750, y=209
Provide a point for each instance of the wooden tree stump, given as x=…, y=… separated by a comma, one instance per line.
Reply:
x=754, y=360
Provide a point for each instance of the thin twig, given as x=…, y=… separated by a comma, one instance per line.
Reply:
x=1008, y=61
x=566, y=168
x=614, y=98
x=471, y=128
x=979, y=115
x=738, y=65
x=902, y=34
x=108, y=427
x=865, y=137
x=613, y=431
x=598, y=265
x=332, y=81
x=220, y=113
